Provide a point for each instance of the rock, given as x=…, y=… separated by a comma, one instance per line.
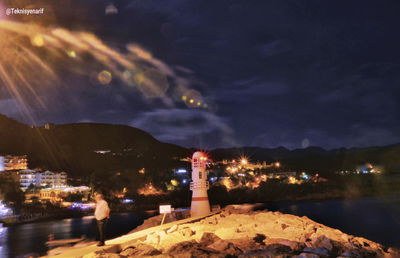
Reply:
x=322, y=242
x=208, y=238
x=102, y=254
x=128, y=251
x=278, y=249
x=152, y=239
x=247, y=244
x=187, y=232
x=225, y=247
x=172, y=229
x=345, y=237
x=306, y=255
x=162, y=234
x=261, y=253
x=319, y=251
x=294, y=246
x=350, y=254
x=393, y=252
x=192, y=249
x=140, y=250
x=310, y=228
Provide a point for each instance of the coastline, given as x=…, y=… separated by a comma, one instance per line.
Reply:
x=236, y=231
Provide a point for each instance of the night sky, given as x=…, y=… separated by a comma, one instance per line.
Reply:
x=273, y=73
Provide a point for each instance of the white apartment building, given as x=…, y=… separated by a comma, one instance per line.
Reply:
x=29, y=177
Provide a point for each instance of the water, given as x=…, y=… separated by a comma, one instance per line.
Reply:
x=377, y=219
x=30, y=238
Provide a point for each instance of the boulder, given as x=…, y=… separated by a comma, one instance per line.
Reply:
x=172, y=229
x=192, y=249
x=319, y=251
x=352, y=254
x=102, y=254
x=261, y=253
x=322, y=242
x=187, y=232
x=306, y=255
x=278, y=249
x=247, y=244
x=208, y=238
x=225, y=247
x=152, y=239
x=294, y=246
x=140, y=250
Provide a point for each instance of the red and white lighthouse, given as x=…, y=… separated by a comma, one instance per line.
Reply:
x=199, y=185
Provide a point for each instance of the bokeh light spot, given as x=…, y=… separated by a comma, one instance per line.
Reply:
x=71, y=53
x=37, y=41
x=104, y=77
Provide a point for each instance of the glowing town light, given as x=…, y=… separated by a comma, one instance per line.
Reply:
x=199, y=185
x=4, y=210
x=292, y=180
x=277, y=164
x=191, y=101
x=184, y=98
x=244, y=161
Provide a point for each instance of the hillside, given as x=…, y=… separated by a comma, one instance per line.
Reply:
x=86, y=148
x=319, y=159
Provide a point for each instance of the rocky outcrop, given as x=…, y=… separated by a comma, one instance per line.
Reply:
x=237, y=232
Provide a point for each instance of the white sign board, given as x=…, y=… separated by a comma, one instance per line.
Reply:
x=165, y=208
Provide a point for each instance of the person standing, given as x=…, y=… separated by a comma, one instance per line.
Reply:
x=102, y=213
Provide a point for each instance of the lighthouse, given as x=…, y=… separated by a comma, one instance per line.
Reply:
x=199, y=185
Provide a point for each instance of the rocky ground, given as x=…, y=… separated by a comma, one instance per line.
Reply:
x=237, y=231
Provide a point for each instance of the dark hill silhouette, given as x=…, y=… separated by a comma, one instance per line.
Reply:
x=82, y=149
x=87, y=147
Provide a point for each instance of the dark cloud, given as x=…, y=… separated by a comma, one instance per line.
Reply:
x=189, y=127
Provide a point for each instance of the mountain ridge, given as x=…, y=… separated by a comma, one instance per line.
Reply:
x=85, y=148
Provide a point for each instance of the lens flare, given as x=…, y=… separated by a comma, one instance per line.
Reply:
x=32, y=58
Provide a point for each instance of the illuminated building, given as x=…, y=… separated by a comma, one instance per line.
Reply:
x=282, y=174
x=51, y=179
x=57, y=194
x=29, y=177
x=10, y=162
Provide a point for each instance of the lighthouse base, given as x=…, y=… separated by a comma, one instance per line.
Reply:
x=200, y=207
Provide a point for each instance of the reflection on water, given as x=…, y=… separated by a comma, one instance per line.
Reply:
x=30, y=238
x=377, y=219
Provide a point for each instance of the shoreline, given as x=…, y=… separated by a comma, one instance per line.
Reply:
x=154, y=212
x=236, y=231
